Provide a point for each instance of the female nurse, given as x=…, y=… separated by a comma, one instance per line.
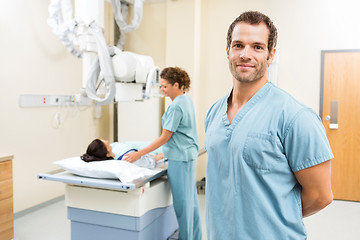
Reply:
x=179, y=137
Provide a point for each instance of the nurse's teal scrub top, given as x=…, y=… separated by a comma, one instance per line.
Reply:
x=179, y=118
x=251, y=190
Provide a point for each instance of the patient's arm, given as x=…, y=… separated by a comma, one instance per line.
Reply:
x=164, y=138
x=159, y=156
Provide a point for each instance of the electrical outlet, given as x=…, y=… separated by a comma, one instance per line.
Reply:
x=52, y=100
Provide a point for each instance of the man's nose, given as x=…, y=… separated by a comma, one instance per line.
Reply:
x=245, y=52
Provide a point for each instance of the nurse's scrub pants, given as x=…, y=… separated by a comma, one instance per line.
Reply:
x=182, y=179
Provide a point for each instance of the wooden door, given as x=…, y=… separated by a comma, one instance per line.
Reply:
x=341, y=94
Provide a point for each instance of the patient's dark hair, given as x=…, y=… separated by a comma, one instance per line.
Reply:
x=96, y=151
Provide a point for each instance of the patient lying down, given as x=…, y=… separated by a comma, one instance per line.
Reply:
x=100, y=150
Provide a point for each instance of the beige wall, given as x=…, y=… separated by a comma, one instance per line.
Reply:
x=33, y=61
x=187, y=33
x=150, y=38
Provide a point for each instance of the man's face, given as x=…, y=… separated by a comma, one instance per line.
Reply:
x=248, y=52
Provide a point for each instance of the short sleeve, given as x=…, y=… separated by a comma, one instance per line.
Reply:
x=305, y=142
x=172, y=119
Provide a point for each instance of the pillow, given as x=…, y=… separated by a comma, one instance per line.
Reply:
x=114, y=169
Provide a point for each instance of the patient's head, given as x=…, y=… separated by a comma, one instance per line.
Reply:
x=98, y=150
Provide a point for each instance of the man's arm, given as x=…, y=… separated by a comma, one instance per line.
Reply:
x=316, y=191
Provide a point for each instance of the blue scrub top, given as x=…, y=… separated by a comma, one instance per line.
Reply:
x=179, y=118
x=251, y=190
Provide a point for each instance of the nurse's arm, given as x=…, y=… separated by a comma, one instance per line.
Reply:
x=164, y=138
x=316, y=191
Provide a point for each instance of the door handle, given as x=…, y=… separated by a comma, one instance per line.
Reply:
x=333, y=115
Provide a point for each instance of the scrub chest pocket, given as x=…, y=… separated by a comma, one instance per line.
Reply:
x=262, y=151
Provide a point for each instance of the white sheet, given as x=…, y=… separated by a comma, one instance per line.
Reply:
x=114, y=169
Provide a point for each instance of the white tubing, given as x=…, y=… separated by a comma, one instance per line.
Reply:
x=120, y=11
x=62, y=24
x=102, y=62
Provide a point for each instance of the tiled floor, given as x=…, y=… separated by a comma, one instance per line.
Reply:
x=48, y=223
x=339, y=221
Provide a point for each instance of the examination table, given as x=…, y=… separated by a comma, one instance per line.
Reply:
x=106, y=209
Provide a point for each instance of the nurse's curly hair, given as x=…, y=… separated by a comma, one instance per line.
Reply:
x=96, y=151
x=176, y=74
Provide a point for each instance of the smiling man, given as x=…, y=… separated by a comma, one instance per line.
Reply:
x=268, y=155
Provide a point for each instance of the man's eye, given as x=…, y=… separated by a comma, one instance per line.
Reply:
x=237, y=46
x=259, y=47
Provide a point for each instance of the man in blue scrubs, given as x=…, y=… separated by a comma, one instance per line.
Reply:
x=268, y=154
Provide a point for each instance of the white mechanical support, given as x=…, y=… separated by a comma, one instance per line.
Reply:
x=83, y=37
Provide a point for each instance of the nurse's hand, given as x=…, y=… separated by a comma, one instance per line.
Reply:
x=132, y=157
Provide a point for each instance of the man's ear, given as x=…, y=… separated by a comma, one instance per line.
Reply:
x=227, y=51
x=271, y=56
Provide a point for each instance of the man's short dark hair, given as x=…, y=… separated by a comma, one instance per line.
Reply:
x=255, y=18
